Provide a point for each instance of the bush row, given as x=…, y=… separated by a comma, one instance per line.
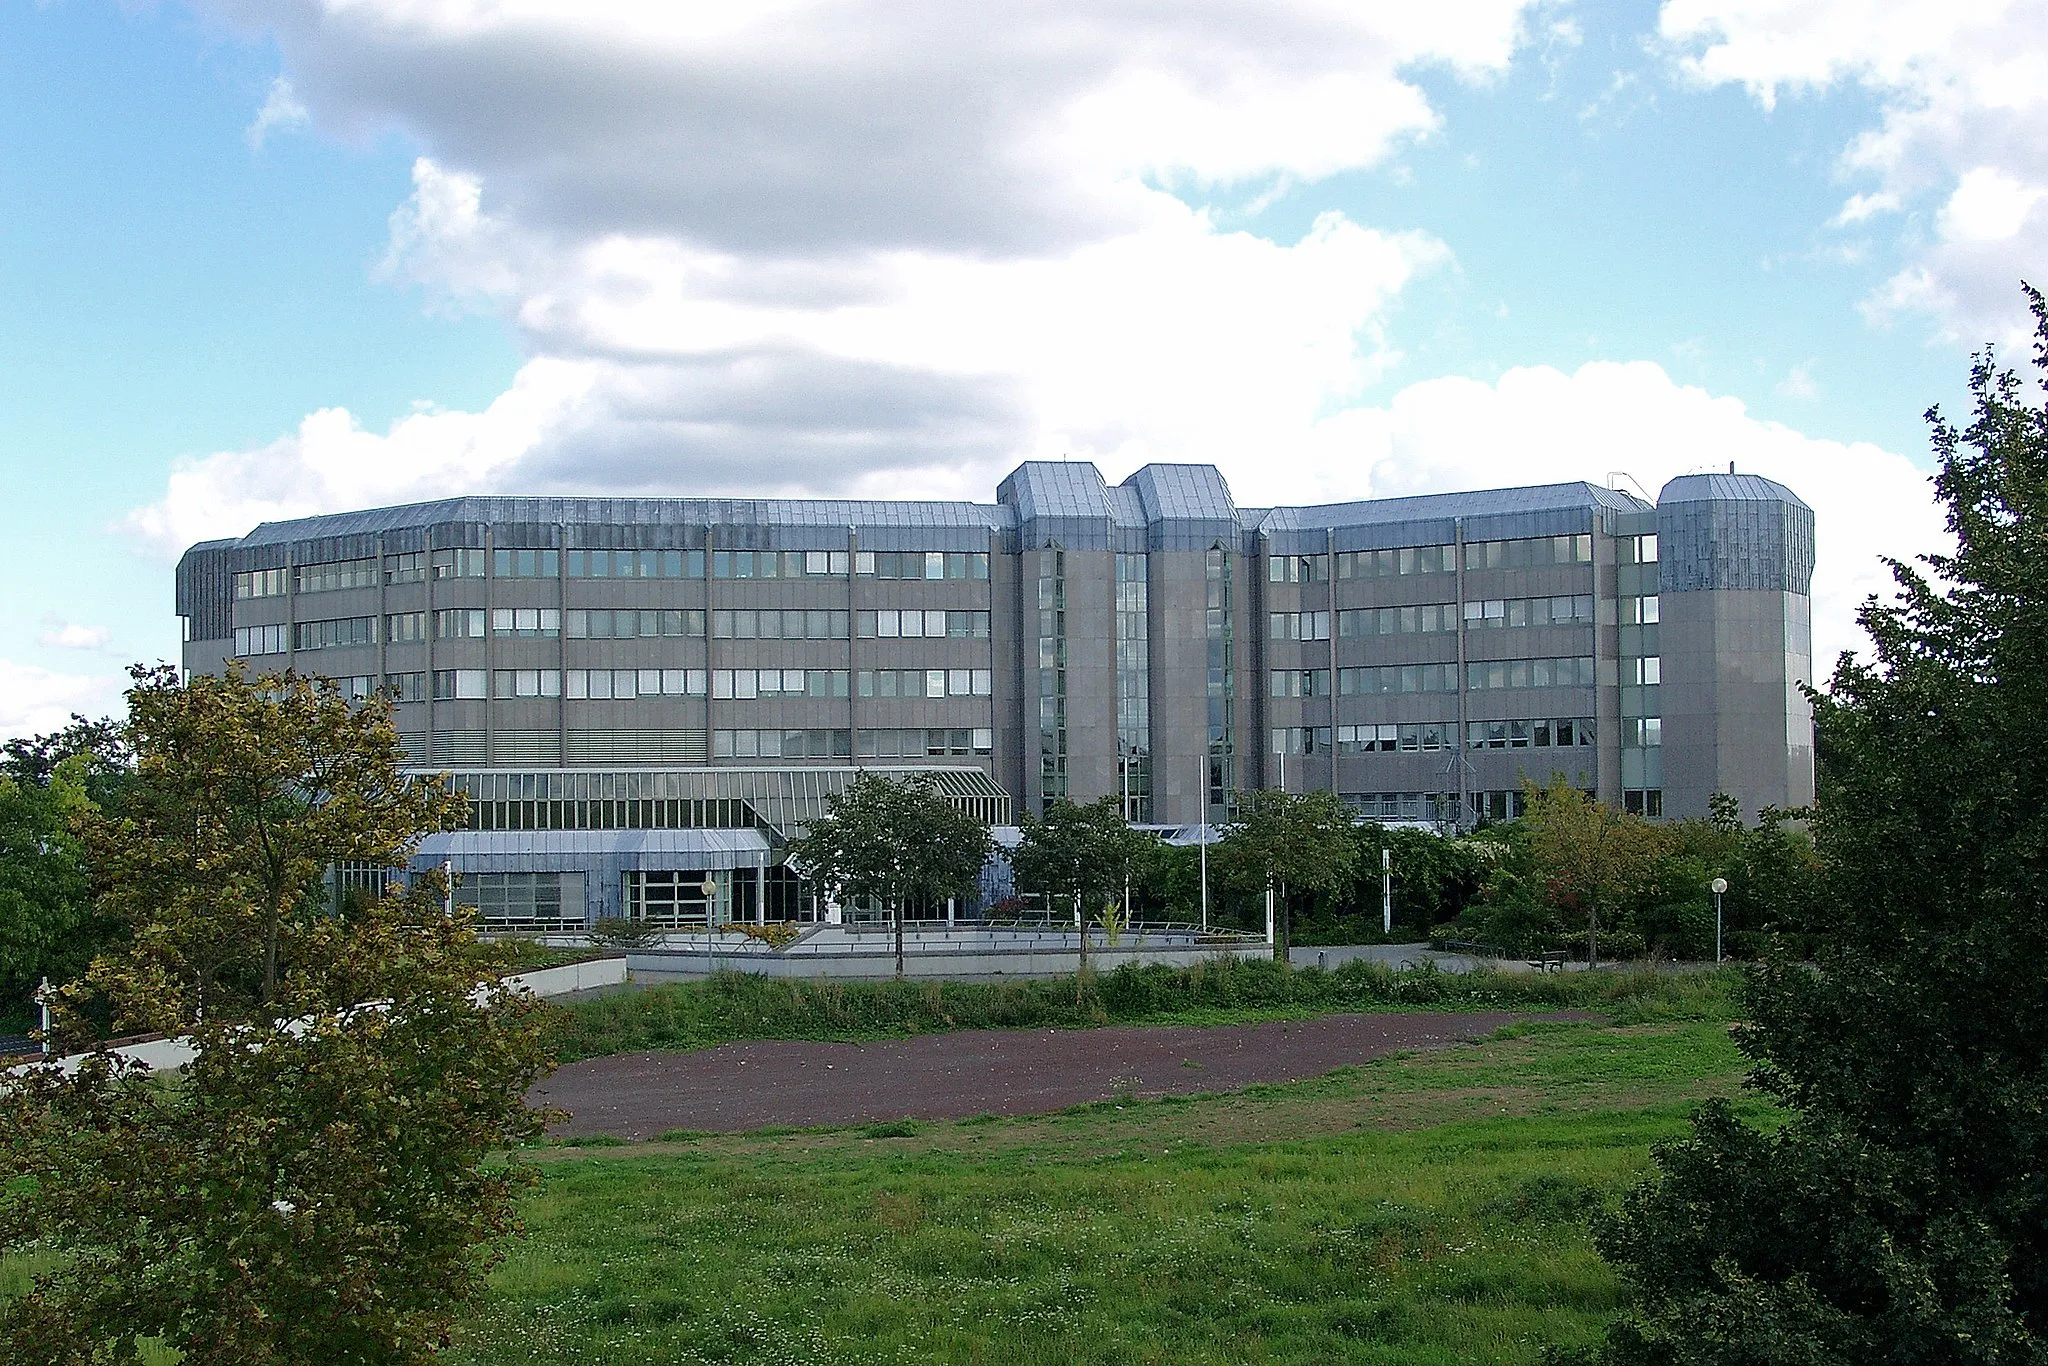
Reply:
x=733, y=1006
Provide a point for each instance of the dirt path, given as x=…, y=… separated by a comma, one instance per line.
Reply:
x=742, y=1086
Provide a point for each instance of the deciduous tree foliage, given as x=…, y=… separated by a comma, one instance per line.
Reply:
x=49, y=926
x=1300, y=841
x=894, y=842
x=1591, y=855
x=315, y=1187
x=1077, y=854
x=1901, y=1215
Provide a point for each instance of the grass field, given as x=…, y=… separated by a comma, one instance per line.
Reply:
x=1428, y=1208
x=735, y=1006
x=1423, y=1208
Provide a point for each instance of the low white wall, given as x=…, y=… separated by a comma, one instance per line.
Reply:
x=586, y=976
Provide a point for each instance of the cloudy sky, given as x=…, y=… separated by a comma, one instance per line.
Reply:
x=262, y=258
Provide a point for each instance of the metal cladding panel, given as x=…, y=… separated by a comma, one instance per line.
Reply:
x=1186, y=507
x=547, y=851
x=1430, y=519
x=205, y=590
x=1733, y=531
x=633, y=524
x=1059, y=500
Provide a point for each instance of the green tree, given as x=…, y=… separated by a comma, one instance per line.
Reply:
x=1303, y=841
x=1590, y=856
x=1900, y=1214
x=897, y=843
x=1079, y=854
x=49, y=926
x=315, y=1186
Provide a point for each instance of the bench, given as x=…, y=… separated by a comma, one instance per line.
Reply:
x=1551, y=960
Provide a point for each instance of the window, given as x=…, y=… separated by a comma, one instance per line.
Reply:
x=1574, y=672
x=824, y=562
x=259, y=583
x=627, y=684
x=903, y=624
x=527, y=564
x=327, y=578
x=1298, y=569
x=1636, y=549
x=922, y=564
x=1639, y=611
x=1398, y=678
x=1368, y=739
x=458, y=564
x=356, y=687
x=1424, y=618
x=920, y=744
x=1412, y=559
x=458, y=623
x=924, y=683
x=341, y=631
x=458, y=684
x=526, y=621
x=1300, y=625
x=1300, y=683
x=260, y=640
x=1302, y=740
x=634, y=564
x=1542, y=733
x=1647, y=801
x=749, y=683
x=750, y=624
x=410, y=567
x=1643, y=671
x=409, y=687
x=781, y=744
x=1520, y=554
x=526, y=683
x=628, y=624
x=1642, y=732
x=405, y=628
x=524, y=901
x=1575, y=609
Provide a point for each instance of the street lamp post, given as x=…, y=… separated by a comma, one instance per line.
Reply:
x=1719, y=885
x=1387, y=892
x=1202, y=800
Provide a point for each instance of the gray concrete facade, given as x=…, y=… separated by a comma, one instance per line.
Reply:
x=1421, y=657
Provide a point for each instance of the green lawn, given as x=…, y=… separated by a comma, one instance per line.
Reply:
x=1427, y=1208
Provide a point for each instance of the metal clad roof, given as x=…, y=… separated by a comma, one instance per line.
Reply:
x=1726, y=488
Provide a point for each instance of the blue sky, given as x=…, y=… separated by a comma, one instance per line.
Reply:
x=843, y=247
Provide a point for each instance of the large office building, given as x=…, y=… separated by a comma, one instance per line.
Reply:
x=642, y=697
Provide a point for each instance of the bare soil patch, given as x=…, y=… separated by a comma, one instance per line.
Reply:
x=739, y=1087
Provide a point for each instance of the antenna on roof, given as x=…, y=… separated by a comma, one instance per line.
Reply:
x=1731, y=467
x=1613, y=475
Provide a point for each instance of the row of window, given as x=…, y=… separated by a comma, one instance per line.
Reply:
x=1570, y=672
x=466, y=623
x=1436, y=559
x=781, y=744
x=1553, y=733
x=1541, y=733
x=928, y=625
x=1429, y=617
x=957, y=741
x=926, y=682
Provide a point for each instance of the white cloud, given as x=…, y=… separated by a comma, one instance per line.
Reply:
x=281, y=111
x=847, y=245
x=68, y=635
x=35, y=701
x=1963, y=123
x=1798, y=382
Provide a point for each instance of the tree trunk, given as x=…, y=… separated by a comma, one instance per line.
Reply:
x=1593, y=936
x=899, y=938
